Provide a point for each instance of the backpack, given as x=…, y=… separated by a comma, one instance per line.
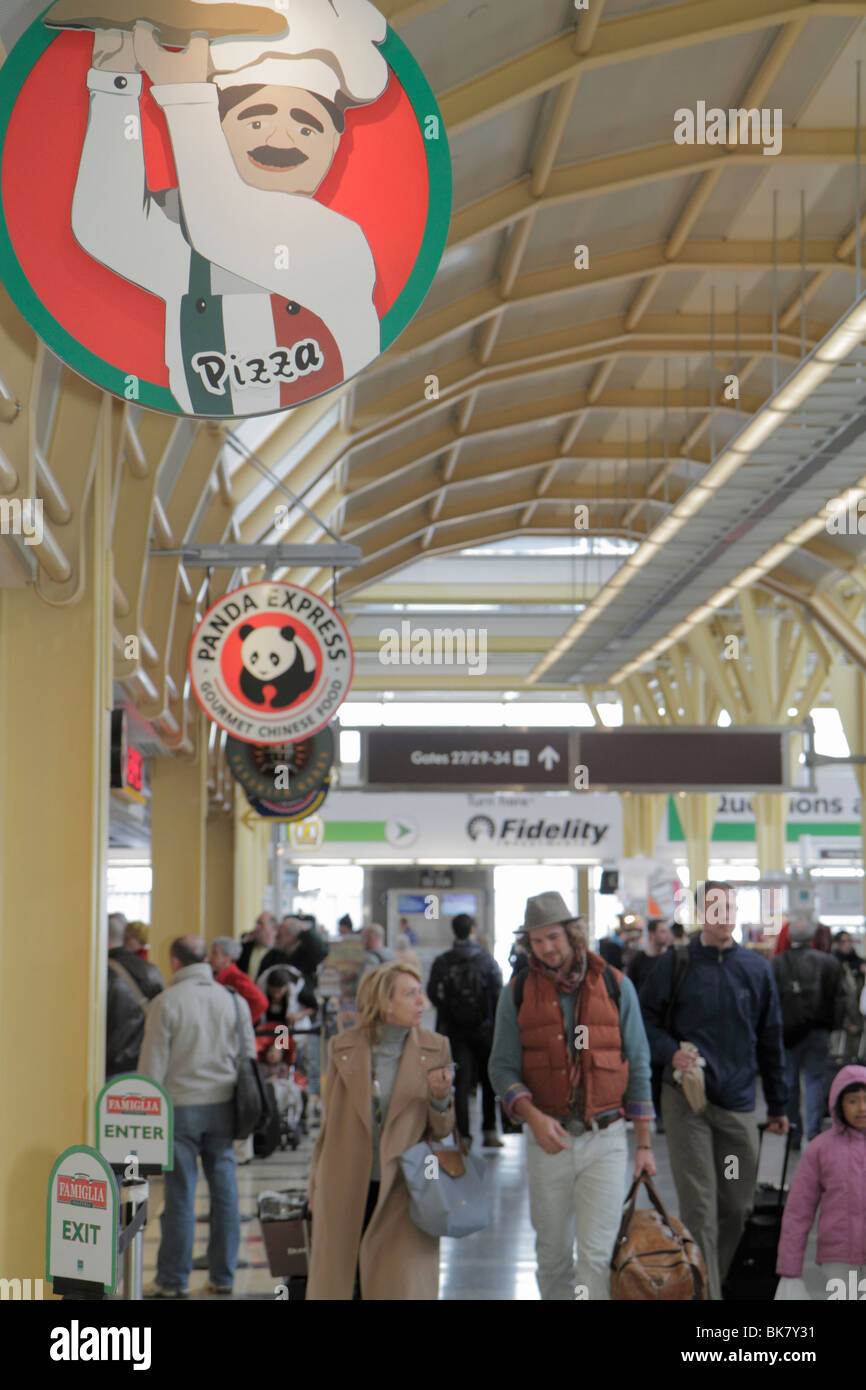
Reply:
x=463, y=993
x=798, y=976
x=682, y=960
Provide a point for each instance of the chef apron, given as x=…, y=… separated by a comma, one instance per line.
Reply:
x=202, y=329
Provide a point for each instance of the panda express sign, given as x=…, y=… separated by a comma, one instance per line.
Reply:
x=219, y=208
x=271, y=663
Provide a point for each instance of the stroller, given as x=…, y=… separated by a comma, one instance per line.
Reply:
x=279, y=1066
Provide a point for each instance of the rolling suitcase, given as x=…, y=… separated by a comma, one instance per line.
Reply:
x=285, y=1224
x=752, y=1276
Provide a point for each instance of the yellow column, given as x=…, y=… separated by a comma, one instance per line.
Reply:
x=642, y=815
x=178, y=811
x=848, y=688
x=55, y=704
x=220, y=875
x=770, y=831
x=251, y=870
x=583, y=892
x=697, y=813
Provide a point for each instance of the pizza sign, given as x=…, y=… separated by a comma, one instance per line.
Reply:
x=133, y=1105
x=81, y=1191
x=247, y=201
x=271, y=663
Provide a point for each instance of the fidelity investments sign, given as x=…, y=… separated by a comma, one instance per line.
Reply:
x=219, y=210
x=577, y=827
x=510, y=830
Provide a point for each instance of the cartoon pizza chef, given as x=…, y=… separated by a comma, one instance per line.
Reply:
x=264, y=287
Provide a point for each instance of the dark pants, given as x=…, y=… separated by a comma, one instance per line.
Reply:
x=471, y=1055
x=372, y=1199
x=656, y=1088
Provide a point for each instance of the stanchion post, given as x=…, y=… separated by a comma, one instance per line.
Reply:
x=134, y=1194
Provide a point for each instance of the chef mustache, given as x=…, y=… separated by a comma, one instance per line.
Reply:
x=277, y=158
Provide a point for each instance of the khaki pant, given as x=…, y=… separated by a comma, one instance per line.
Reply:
x=580, y=1191
x=714, y=1159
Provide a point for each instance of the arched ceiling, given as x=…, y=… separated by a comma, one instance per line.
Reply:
x=558, y=385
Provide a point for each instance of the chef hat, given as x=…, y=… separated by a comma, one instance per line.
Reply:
x=330, y=49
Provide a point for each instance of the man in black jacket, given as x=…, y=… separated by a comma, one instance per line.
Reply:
x=124, y=1027
x=726, y=1006
x=812, y=995
x=140, y=974
x=465, y=984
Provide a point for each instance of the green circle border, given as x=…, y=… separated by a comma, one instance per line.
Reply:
x=13, y=74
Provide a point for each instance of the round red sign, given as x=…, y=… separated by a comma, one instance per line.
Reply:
x=271, y=662
x=247, y=202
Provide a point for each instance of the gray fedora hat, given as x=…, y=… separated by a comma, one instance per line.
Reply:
x=546, y=910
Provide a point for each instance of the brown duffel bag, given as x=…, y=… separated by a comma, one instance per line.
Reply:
x=654, y=1255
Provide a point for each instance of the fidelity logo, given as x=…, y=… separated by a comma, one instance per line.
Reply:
x=512, y=830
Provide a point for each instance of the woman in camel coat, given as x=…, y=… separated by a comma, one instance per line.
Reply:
x=388, y=1081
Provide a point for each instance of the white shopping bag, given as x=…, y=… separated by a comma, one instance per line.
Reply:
x=792, y=1290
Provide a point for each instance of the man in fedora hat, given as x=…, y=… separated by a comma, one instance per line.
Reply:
x=571, y=1061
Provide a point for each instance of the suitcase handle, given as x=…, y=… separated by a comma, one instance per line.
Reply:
x=631, y=1201
x=762, y=1129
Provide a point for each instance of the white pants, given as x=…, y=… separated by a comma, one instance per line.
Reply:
x=578, y=1190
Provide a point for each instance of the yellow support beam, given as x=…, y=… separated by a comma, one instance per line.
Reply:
x=54, y=794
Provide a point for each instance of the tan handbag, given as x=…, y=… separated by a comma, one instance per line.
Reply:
x=654, y=1256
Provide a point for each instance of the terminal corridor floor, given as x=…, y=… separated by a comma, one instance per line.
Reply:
x=496, y=1265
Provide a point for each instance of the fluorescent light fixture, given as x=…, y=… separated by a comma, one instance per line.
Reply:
x=841, y=341
x=692, y=501
x=667, y=527
x=443, y=863
x=647, y=552
x=760, y=428
x=810, y=375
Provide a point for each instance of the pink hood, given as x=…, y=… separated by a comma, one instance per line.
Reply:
x=831, y=1181
x=848, y=1076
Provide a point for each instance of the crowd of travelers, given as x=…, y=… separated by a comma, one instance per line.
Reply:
x=577, y=1050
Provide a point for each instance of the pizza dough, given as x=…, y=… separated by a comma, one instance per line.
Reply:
x=176, y=20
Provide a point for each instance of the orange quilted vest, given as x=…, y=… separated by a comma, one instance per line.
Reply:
x=546, y=1062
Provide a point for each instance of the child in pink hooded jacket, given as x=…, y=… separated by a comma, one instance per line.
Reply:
x=832, y=1173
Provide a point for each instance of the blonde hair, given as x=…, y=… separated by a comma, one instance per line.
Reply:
x=376, y=990
x=139, y=931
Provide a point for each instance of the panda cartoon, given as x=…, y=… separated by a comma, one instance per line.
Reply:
x=273, y=656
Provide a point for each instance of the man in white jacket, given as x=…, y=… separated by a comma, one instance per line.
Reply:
x=268, y=293
x=192, y=1043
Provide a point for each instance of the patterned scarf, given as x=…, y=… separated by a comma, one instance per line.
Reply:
x=568, y=982
x=565, y=982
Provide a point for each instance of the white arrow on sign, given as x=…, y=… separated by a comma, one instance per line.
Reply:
x=549, y=757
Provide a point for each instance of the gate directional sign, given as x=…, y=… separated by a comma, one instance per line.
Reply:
x=444, y=758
